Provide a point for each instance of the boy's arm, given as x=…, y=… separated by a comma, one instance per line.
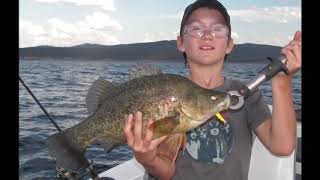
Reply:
x=278, y=134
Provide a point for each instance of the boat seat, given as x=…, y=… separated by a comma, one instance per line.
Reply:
x=266, y=166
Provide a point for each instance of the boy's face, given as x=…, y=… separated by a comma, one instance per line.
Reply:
x=205, y=48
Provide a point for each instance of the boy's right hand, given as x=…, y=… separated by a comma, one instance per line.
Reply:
x=144, y=149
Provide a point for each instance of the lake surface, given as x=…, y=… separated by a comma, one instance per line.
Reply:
x=61, y=87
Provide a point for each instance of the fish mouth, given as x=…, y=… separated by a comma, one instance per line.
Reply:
x=208, y=117
x=221, y=106
x=224, y=105
x=228, y=99
x=204, y=119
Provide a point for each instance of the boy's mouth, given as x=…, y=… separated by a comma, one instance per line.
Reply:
x=206, y=47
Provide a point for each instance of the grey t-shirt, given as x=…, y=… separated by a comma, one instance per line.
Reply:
x=222, y=152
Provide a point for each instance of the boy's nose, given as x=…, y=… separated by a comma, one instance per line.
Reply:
x=208, y=34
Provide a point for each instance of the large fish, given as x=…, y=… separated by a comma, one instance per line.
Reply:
x=175, y=104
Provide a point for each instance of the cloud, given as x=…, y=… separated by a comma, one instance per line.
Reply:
x=100, y=20
x=172, y=16
x=273, y=14
x=234, y=35
x=107, y=5
x=282, y=1
x=159, y=36
x=275, y=41
x=27, y=27
x=95, y=28
x=30, y=33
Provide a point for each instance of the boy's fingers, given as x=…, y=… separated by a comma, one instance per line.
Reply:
x=154, y=143
x=297, y=36
x=149, y=133
x=127, y=130
x=137, y=127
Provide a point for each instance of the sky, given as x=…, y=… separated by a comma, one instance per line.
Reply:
x=66, y=23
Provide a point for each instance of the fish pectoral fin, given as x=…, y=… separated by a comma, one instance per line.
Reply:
x=164, y=126
x=169, y=148
x=99, y=90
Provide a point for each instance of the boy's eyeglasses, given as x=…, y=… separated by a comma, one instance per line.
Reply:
x=198, y=31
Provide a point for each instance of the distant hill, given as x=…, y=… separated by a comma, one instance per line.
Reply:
x=160, y=50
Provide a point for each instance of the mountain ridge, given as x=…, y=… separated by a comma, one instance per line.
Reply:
x=158, y=50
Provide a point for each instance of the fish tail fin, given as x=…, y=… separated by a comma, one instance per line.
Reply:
x=68, y=155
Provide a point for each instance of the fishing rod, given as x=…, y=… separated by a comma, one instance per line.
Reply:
x=89, y=169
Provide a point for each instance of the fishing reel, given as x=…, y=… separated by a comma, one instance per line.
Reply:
x=64, y=174
x=83, y=174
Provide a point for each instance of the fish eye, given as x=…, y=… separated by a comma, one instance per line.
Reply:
x=213, y=98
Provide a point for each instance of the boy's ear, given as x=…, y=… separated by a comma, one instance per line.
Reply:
x=230, y=46
x=180, y=44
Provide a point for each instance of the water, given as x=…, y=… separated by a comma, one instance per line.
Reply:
x=61, y=87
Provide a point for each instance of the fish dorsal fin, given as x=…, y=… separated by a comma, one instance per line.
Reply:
x=99, y=90
x=143, y=69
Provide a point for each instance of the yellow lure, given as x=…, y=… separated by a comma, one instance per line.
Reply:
x=218, y=115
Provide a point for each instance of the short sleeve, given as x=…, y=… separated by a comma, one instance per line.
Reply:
x=257, y=109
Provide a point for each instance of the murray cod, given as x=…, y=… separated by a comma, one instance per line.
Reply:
x=175, y=104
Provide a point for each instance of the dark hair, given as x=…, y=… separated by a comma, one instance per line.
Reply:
x=211, y=4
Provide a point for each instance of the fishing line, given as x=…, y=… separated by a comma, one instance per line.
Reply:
x=44, y=110
x=89, y=169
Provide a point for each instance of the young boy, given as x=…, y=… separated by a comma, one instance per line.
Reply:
x=216, y=151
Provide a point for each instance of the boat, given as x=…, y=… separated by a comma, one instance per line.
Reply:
x=263, y=165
